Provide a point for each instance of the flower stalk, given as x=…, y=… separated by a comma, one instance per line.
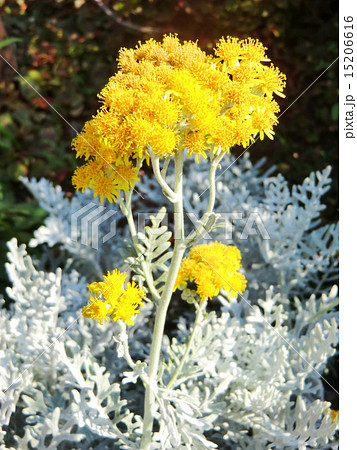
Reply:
x=200, y=309
x=128, y=213
x=197, y=234
x=163, y=304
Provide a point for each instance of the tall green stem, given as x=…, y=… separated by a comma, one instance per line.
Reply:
x=163, y=304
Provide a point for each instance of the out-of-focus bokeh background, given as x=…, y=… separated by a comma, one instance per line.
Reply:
x=67, y=50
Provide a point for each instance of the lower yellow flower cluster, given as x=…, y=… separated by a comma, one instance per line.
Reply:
x=110, y=299
x=212, y=267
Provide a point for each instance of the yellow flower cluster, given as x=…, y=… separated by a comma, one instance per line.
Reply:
x=170, y=95
x=212, y=267
x=110, y=299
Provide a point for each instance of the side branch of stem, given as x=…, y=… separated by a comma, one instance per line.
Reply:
x=127, y=211
x=197, y=234
x=200, y=309
x=167, y=191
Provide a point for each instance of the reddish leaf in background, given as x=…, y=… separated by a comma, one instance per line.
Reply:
x=40, y=103
x=45, y=54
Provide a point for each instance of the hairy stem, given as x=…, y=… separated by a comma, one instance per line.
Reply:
x=179, y=249
x=167, y=191
x=197, y=234
x=200, y=309
x=127, y=211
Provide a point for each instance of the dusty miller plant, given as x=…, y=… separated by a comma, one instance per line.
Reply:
x=244, y=374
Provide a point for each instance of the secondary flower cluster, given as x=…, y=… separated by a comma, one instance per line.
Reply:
x=212, y=267
x=110, y=299
x=169, y=96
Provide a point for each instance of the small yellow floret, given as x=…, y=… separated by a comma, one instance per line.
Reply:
x=196, y=143
x=106, y=186
x=253, y=51
x=228, y=49
x=162, y=141
x=96, y=309
x=113, y=283
x=272, y=81
x=125, y=175
x=80, y=178
x=127, y=305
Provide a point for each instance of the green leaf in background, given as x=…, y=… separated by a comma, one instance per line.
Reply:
x=16, y=219
x=334, y=112
x=9, y=41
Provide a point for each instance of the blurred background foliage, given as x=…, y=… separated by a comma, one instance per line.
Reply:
x=67, y=50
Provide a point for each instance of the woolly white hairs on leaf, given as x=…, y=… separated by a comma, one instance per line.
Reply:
x=252, y=380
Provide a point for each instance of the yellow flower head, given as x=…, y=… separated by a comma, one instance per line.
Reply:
x=105, y=186
x=196, y=143
x=271, y=81
x=111, y=299
x=80, y=179
x=127, y=305
x=169, y=96
x=96, y=309
x=212, y=267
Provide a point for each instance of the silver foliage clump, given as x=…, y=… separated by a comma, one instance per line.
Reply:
x=279, y=233
x=252, y=380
